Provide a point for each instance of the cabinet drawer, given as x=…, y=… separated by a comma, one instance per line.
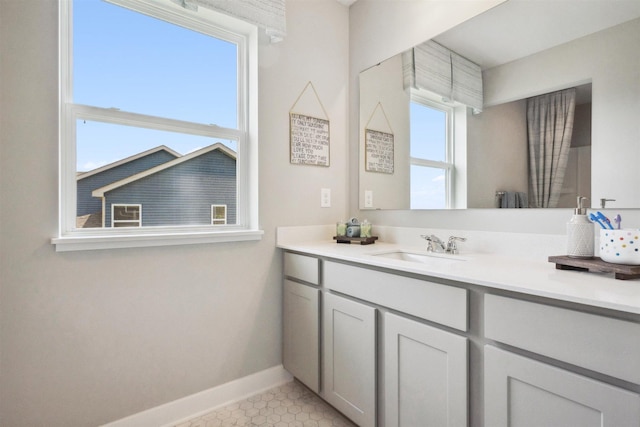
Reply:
x=443, y=304
x=598, y=343
x=302, y=267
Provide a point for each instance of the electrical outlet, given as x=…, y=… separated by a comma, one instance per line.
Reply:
x=325, y=197
x=368, y=198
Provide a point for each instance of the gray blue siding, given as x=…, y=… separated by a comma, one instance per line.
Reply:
x=182, y=194
x=87, y=204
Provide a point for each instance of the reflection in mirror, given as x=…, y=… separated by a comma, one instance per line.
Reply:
x=602, y=60
x=498, y=137
x=427, y=164
x=430, y=153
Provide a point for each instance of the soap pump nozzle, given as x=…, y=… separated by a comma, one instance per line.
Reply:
x=580, y=209
x=580, y=236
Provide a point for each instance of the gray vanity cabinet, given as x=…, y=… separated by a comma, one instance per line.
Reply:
x=423, y=369
x=301, y=317
x=425, y=375
x=349, y=358
x=394, y=351
x=521, y=392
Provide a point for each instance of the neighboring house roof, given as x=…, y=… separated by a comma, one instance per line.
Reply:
x=93, y=220
x=87, y=174
x=99, y=192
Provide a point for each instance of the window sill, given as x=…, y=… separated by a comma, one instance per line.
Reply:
x=86, y=243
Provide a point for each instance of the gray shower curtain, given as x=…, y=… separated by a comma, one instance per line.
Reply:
x=549, y=128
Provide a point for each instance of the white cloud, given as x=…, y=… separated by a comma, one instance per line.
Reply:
x=88, y=166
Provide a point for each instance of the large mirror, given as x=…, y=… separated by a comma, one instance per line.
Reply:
x=526, y=50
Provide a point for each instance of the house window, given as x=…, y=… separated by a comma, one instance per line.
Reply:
x=155, y=109
x=431, y=153
x=218, y=214
x=126, y=215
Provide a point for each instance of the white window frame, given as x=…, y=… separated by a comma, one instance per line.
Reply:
x=128, y=221
x=245, y=36
x=427, y=99
x=213, y=215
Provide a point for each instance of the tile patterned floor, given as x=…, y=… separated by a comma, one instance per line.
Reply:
x=290, y=405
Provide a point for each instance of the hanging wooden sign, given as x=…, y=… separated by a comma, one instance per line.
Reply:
x=308, y=134
x=378, y=151
x=309, y=138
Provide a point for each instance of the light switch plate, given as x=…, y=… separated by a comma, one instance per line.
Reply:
x=325, y=197
x=368, y=198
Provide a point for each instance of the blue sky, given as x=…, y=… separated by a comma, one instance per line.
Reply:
x=127, y=60
x=428, y=133
x=428, y=141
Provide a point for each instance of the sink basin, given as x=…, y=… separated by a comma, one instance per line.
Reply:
x=418, y=256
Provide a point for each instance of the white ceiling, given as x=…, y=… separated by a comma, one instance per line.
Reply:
x=518, y=28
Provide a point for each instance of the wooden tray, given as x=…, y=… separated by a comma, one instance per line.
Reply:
x=362, y=240
x=596, y=265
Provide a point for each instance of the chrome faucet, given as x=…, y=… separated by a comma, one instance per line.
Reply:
x=603, y=202
x=434, y=244
x=452, y=246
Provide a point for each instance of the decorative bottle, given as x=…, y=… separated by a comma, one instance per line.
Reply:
x=580, y=233
x=365, y=229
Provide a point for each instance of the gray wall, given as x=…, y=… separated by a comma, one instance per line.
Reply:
x=90, y=337
x=384, y=98
x=497, y=153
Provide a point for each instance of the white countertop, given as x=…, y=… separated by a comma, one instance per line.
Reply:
x=529, y=276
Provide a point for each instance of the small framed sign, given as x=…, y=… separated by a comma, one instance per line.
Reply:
x=309, y=139
x=379, y=151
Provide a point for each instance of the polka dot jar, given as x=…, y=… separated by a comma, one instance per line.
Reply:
x=620, y=246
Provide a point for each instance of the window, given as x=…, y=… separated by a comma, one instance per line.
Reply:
x=126, y=215
x=155, y=109
x=431, y=152
x=219, y=214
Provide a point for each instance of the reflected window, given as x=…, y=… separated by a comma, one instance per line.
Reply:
x=431, y=153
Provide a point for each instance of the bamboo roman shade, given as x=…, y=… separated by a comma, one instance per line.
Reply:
x=432, y=65
x=466, y=82
x=435, y=68
x=267, y=14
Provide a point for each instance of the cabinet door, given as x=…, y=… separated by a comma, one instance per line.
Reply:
x=349, y=358
x=300, y=318
x=425, y=375
x=521, y=392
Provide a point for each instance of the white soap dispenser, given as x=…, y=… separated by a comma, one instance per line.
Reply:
x=580, y=233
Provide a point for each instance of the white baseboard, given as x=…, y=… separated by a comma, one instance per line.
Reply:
x=197, y=404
